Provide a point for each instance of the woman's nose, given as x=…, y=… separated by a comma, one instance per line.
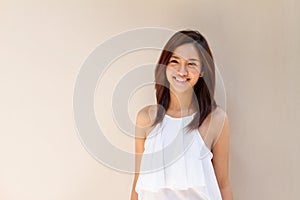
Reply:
x=182, y=69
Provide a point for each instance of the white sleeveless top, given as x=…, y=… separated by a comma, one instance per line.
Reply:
x=176, y=164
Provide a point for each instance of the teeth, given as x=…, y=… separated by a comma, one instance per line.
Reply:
x=181, y=80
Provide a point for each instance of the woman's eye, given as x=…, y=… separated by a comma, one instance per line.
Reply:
x=193, y=64
x=173, y=61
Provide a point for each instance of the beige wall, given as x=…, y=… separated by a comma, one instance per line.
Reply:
x=42, y=45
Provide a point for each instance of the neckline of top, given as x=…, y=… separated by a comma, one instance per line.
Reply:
x=180, y=117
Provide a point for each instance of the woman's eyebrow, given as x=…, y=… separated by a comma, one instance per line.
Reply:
x=194, y=59
x=191, y=59
x=175, y=57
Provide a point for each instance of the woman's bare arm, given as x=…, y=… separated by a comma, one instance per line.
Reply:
x=221, y=156
x=143, y=121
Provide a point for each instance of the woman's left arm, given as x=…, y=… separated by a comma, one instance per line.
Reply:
x=221, y=156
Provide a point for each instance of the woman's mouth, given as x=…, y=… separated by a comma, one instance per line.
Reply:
x=181, y=80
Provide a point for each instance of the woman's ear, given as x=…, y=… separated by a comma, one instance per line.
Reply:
x=201, y=74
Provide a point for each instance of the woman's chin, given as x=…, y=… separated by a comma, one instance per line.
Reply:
x=180, y=88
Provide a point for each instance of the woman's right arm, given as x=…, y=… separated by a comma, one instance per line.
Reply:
x=142, y=123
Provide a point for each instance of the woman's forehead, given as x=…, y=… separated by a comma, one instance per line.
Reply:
x=187, y=52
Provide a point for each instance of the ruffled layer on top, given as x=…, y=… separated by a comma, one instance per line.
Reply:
x=176, y=160
x=170, y=194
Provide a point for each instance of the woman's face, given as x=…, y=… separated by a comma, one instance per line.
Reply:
x=183, y=68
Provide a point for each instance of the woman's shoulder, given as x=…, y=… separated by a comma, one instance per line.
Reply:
x=212, y=126
x=220, y=113
x=146, y=116
x=218, y=118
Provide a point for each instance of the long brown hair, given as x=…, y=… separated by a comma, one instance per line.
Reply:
x=204, y=89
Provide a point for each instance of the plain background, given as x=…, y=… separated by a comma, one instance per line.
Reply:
x=256, y=46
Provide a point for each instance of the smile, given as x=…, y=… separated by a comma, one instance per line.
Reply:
x=181, y=80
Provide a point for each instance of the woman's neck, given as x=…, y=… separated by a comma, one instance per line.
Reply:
x=181, y=102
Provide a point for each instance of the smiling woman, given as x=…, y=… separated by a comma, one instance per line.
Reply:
x=183, y=69
x=182, y=142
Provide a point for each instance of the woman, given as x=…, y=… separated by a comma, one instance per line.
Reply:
x=194, y=165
